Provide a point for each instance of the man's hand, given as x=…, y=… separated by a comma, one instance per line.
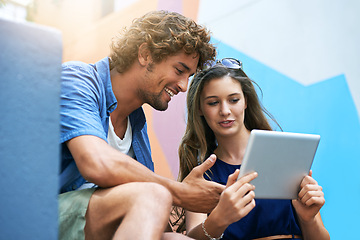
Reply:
x=198, y=194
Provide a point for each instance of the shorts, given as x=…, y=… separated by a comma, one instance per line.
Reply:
x=72, y=209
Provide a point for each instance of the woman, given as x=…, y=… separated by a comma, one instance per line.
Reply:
x=223, y=108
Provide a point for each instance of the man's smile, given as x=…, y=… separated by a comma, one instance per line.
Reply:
x=168, y=91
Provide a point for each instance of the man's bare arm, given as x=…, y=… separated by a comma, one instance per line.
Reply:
x=105, y=166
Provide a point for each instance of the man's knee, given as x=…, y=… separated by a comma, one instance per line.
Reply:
x=131, y=197
x=157, y=193
x=142, y=193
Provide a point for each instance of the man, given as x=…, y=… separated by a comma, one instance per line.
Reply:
x=103, y=131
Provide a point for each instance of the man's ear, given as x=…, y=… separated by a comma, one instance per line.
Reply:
x=144, y=56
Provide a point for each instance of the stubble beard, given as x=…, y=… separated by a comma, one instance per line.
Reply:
x=158, y=104
x=154, y=100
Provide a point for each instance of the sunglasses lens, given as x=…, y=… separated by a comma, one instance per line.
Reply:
x=227, y=62
x=231, y=63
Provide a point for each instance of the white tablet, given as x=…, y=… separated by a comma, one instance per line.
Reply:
x=281, y=159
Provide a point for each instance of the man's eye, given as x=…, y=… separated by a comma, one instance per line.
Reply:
x=179, y=71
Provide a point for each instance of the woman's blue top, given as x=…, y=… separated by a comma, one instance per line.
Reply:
x=269, y=217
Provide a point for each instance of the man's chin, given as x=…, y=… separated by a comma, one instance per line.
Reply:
x=158, y=103
x=160, y=107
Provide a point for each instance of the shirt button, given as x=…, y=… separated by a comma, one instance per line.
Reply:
x=74, y=187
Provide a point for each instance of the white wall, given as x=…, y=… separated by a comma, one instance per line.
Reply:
x=307, y=40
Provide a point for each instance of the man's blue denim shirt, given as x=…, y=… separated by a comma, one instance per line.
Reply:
x=86, y=102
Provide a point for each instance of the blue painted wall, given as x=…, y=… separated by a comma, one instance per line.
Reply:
x=30, y=70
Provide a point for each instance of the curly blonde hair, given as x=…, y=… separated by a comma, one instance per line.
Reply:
x=165, y=33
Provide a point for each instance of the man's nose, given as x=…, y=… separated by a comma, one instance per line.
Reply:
x=183, y=84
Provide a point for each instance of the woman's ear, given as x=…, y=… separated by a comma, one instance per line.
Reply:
x=200, y=112
x=144, y=55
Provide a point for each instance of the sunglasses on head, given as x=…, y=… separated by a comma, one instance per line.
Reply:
x=231, y=63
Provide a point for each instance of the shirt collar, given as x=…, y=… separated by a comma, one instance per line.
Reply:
x=103, y=69
x=137, y=118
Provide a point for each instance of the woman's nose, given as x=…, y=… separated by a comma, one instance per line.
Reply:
x=224, y=110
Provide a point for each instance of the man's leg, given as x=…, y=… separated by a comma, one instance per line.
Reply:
x=128, y=211
x=174, y=236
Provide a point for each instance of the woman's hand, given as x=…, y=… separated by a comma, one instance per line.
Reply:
x=311, y=199
x=237, y=200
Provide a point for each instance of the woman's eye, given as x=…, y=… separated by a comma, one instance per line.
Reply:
x=212, y=103
x=234, y=100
